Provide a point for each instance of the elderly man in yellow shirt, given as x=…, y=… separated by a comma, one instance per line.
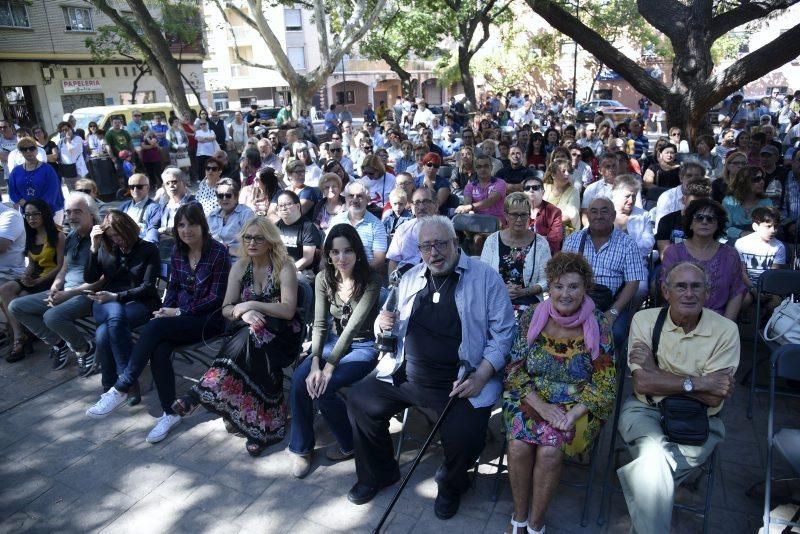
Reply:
x=697, y=355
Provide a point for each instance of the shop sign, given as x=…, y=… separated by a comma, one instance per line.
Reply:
x=81, y=86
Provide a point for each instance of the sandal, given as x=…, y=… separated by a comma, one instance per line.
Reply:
x=253, y=448
x=518, y=524
x=186, y=405
x=22, y=345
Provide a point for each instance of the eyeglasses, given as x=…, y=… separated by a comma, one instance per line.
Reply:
x=286, y=206
x=420, y=203
x=32, y=214
x=86, y=191
x=532, y=188
x=683, y=287
x=757, y=179
x=203, y=124
x=426, y=248
x=27, y=149
x=137, y=186
x=705, y=217
x=484, y=166
x=337, y=138
x=517, y=215
x=256, y=239
x=212, y=169
x=432, y=165
x=335, y=150
x=224, y=196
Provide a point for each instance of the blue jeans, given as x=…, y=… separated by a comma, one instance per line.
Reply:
x=352, y=367
x=115, y=320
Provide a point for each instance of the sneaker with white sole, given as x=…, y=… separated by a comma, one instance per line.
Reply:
x=165, y=423
x=60, y=355
x=109, y=401
x=87, y=363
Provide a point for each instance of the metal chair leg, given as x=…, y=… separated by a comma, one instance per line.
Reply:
x=500, y=468
x=402, y=435
x=709, y=491
x=605, y=496
x=587, y=495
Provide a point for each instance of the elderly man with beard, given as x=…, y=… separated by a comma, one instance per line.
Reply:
x=51, y=315
x=451, y=308
x=368, y=226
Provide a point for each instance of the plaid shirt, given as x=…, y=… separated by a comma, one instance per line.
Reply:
x=612, y=264
x=199, y=292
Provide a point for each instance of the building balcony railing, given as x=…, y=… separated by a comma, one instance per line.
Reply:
x=367, y=65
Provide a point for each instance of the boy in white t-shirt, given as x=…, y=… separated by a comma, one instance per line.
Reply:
x=760, y=251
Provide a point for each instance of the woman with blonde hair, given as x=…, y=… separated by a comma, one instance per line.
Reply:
x=559, y=191
x=244, y=384
x=332, y=203
x=746, y=193
x=734, y=161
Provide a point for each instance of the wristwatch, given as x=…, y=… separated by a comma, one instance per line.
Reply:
x=688, y=385
x=178, y=312
x=614, y=312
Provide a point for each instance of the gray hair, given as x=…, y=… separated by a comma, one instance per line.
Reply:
x=627, y=181
x=437, y=220
x=693, y=163
x=348, y=190
x=86, y=200
x=684, y=264
x=177, y=173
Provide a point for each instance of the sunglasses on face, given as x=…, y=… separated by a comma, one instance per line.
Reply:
x=137, y=186
x=33, y=214
x=224, y=196
x=28, y=149
x=86, y=191
x=212, y=169
x=337, y=138
x=757, y=179
x=529, y=188
x=432, y=165
x=705, y=217
x=517, y=215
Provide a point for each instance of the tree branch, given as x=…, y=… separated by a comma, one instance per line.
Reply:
x=600, y=48
x=238, y=54
x=746, y=11
x=666, y=16
x=322, y=34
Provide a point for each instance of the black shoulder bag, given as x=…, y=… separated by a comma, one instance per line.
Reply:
x=601, y=295
x=684, y=419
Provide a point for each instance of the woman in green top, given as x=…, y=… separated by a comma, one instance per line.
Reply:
x=342, y=347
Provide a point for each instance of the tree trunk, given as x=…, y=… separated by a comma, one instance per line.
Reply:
x=135, y=88
x=406, y=83
x=464, y=58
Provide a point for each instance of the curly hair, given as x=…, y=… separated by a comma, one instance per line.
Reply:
x=699, y=205
x=569, y=262
x=551, y=169
x=741, y=185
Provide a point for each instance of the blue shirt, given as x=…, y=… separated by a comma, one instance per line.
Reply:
x=330, y=122
x=161, y=129
x=611, y=264
x=641, y=145
x=76, y=254
x=370, y=229
x=147, y=214
x=227, y=231
x=487, y=321
x=42, y=183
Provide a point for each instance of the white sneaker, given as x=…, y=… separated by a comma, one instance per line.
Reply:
x=109, y=401
x=162, y=428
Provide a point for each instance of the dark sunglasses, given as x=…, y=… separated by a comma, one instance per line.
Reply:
x=337, y=138
x=432, y=165
x=532, y=188
x=87, y=191
x=703, y=217
x=222, y=196
x=28, y=149
x=137, y=186
x=757, y=179
x=335, y=150
x=212, y=169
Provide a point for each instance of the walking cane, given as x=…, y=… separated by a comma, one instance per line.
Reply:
x=468, y=370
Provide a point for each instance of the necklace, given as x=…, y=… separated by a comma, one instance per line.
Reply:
x=436, y=294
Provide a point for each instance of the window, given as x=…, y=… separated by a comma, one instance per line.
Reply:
x=297, y=57
x=293, y=19
x=602, y=94
x=102, y=72
x=78, y=19
x=345, y=97
x=14, y=15
x=78, y=73
x=91, y=72
x=125, y=71
x=64, y=72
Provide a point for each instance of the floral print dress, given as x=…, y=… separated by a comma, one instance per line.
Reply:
x=561, y=372
x=245, y=382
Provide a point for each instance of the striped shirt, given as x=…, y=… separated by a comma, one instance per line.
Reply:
x=370, y=229
x=611, y=264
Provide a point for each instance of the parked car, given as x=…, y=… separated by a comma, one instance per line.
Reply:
x=612, y=109
x=713, y=114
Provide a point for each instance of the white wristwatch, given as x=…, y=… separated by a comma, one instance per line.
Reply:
x=688, y=385
x=177, y=312
x=614, y=312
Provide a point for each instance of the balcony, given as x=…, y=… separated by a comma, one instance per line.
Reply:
x=245, y=35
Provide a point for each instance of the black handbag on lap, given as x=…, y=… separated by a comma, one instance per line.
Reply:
x=684, y=419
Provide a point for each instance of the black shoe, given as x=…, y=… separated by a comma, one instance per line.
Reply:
x=134, y=394
x=60, y=355
x=87, y=363
x=362, y=493
x=446, y=504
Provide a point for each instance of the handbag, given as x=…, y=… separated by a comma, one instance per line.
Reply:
x=784, y=325
x=601, y=295
x=183, y=162
x=684, y=419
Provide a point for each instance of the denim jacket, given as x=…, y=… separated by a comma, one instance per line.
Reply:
x=487, y=322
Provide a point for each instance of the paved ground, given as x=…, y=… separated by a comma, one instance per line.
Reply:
x=63, y=472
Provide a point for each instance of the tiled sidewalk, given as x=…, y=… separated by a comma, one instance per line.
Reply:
x=63, y=472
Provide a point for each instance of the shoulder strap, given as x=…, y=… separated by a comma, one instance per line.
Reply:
x=533, y=268
x=657, y=328
x=583, y=242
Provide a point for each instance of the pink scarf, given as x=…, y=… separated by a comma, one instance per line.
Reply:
x=584, y=317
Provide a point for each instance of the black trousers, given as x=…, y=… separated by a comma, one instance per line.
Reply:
x=371, y=403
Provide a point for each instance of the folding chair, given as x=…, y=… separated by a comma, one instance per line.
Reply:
x=471, y=224
x=781, y=282
x=784, y=363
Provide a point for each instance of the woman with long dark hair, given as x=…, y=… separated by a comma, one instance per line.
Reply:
x=190, y=313
x=262, y=195
x=537, y=157
x=44, y=247
x=244, y=384
x=342, y=347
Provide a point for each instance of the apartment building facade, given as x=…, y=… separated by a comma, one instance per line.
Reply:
x=47, y=71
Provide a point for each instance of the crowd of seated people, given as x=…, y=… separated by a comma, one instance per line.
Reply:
x=592, y=222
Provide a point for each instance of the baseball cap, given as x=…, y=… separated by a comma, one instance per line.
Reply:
x=769, y=149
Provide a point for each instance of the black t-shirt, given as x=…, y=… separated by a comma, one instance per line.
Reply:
x=296, y=236
x=664, y=178
x=434, y=335
x=515, y=176
x=670, y=227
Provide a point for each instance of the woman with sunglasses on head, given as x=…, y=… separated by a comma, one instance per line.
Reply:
x=746, y=193
x=313, y=171
x=244, y=384
x=342, y=347
x=734, y=161
x=129, y=267
x=190, y=313
x=545, y=218
x=225, y=223
x=206, y=193
x=34, y=179
x=703, y=224
x=44, y=248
